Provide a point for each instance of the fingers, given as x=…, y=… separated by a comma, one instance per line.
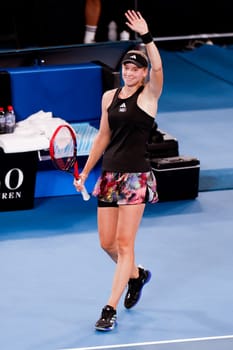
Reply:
x=78, y=184
x=136, y=22
x=132, y=15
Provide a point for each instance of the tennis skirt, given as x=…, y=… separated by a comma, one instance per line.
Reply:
x=126, y=188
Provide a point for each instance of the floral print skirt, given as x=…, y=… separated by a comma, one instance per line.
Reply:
x=126, y=188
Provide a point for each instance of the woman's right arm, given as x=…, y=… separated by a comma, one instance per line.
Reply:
x=100, y=142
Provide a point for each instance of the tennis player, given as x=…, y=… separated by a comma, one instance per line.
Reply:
x=126, y=183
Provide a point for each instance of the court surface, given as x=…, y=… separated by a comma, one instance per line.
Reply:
x=55, y=279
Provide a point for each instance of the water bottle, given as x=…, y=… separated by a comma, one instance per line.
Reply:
x=124, y=36
x=10, y=120
x=2, y=121
x=112, y=31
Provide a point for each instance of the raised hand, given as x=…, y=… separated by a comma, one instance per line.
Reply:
x=136, y=22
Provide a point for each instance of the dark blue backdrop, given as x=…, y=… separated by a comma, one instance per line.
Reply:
x=51, y=22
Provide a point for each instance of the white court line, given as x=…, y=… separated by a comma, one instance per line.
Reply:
x=153, y=343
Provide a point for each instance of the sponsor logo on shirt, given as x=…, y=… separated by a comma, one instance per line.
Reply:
x=122, y=107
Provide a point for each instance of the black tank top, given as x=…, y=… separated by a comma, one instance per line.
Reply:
x=130, y=129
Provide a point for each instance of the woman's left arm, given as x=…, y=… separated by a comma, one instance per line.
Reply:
x=137, y=23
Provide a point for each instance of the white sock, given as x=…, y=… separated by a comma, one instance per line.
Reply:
x=89, y=36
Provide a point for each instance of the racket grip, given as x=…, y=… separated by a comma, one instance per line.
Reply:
x=85, y=194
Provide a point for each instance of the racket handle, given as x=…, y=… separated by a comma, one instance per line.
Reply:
x=85, y=194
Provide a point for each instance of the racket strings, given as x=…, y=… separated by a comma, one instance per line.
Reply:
x=65, y=163
x=64, y=149
x=63, y=152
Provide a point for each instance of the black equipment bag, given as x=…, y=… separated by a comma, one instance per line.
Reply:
x=177, y=177
x=161, y=144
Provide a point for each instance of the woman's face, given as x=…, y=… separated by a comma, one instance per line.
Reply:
x=133, y=75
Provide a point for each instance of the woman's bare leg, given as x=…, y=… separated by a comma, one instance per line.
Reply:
x=118, y=228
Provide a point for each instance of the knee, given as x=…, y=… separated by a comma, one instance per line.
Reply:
x=107, y=246
x=124, y=246
x=111, y=250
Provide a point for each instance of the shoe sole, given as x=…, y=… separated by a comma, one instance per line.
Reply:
x=139, y=297
x=105, y=329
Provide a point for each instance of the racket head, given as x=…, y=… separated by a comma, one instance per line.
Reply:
x=63, y=149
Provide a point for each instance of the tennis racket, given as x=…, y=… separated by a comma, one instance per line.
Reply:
x=63, y=152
